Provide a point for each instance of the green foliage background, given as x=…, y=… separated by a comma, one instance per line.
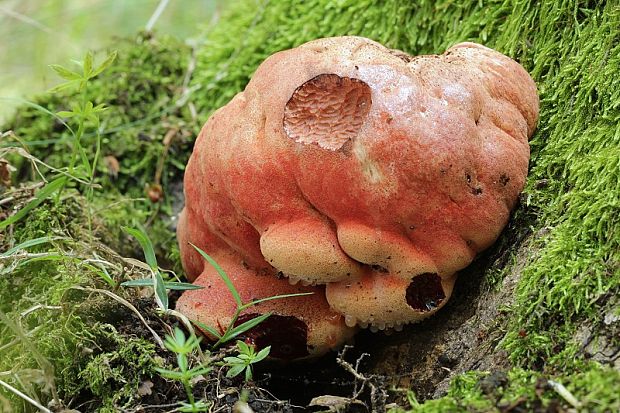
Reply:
x=37, y=33
x=571, y=48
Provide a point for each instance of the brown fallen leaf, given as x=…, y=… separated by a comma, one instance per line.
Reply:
x=334, y=403
x=155, y=193
x=5, y=172
x=113, y=165
x=145, y=388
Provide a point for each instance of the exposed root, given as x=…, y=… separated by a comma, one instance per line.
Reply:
x=378, y=394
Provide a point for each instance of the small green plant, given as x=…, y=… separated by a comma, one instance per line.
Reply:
x=183, y=346
x=84, y=110
x=247, y=356
x=233, y=331
x=156, y=281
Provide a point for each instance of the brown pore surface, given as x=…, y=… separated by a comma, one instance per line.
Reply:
x=328, y=110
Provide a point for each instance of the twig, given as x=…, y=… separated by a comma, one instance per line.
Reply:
x=158, y=11
x=377, y=395
x=563, y=391
x=25, y=19
x=40, y=307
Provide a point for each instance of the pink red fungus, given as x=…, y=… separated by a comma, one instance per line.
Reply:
x=362, y=174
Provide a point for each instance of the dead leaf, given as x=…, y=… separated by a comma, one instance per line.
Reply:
x=242, y=407
x=145, y=388
x=169, y=137
x=155, y=193
x=334, y=403
x=113, y=165
x=5, y=172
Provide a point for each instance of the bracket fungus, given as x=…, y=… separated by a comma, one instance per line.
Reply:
x=360, y=173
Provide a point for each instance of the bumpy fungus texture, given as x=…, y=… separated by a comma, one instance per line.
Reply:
x=368, y=173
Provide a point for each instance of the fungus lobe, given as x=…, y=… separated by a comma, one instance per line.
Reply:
x=371, y=175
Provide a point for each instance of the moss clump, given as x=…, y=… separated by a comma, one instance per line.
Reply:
x=114, y=376
x=525, y=390
x=52, y=335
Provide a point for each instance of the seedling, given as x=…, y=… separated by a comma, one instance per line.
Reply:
x=156, y=281
x=247, y=356
x=183, y=346
x=83, y=111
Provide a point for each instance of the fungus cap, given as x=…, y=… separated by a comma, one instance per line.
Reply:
x=352, y=165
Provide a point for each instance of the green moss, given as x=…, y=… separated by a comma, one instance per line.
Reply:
x=575, y=155
x=57, y=336
x=594, y=388
x=114, y=376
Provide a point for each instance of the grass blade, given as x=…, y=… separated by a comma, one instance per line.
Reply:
x=206, y=328
x=170, y=285
x=275, y=297
x=40, y=109
x=103, y=274
x=161, y=295
x=146, y=244
x=223, y=275
x=243, y=327
x=41, y=195
x=27, y=244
